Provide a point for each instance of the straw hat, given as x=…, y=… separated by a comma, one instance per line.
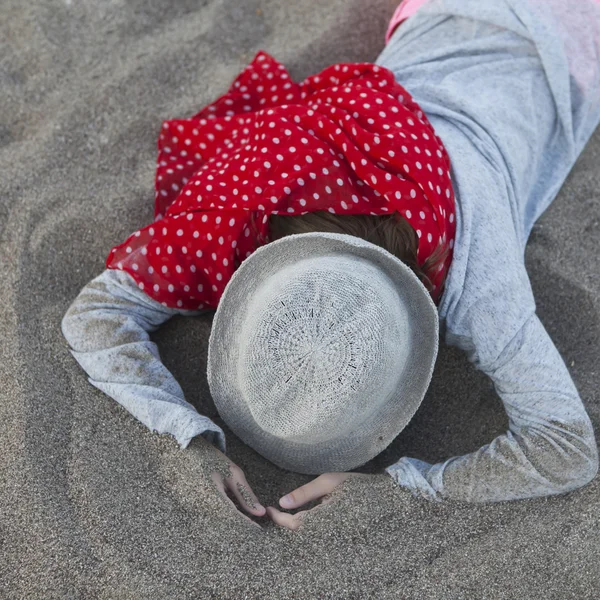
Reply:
x=321, y=350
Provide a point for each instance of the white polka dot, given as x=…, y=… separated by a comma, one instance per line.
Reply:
x=339, y=182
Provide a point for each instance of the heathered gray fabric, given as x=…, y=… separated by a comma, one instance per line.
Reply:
x=107, y=328
x=513, y=90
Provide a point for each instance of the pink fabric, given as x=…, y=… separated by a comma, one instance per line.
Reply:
x=406, y=9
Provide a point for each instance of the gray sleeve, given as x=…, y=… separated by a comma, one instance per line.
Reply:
x=549, y=449
x=107, y=329
x=513, y=133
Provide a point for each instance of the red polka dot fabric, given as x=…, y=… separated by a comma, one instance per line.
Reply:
x=349, y=140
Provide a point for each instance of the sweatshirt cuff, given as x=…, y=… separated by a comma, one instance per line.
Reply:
x=203, y=426
x=422, y=479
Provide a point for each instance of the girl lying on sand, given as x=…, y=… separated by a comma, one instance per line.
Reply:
x=333, y=225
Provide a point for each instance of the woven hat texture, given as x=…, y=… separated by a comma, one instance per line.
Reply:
x=321, y=350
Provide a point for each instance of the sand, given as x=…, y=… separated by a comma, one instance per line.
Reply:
x=93, y=504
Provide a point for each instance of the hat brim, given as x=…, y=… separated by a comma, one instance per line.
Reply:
x=385, y=423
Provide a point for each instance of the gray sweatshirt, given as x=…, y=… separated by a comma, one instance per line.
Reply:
x=512, y=87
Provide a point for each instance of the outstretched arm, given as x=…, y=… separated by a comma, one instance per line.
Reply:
x=107, y=328
x=549, y=449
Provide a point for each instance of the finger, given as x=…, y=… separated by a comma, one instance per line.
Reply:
x=243, y=492
x=324, y=484
x=218, y=479
x=287, y=520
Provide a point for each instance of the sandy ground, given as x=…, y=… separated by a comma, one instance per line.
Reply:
x=93, y=504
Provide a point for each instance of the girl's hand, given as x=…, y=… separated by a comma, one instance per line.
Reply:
x=232, y=478
x=317, y=488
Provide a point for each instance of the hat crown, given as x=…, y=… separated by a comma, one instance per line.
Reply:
x=324, y=343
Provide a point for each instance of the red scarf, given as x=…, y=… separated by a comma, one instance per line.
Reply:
x=349, y=140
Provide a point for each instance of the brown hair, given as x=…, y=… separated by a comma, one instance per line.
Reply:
x=391, y=232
